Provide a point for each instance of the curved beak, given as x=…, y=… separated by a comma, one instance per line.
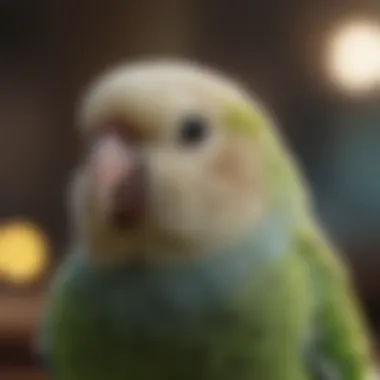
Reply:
x=118, y=179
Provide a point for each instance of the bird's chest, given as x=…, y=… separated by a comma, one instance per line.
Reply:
x=183, y=323
x=171, y=306
x=196, y=325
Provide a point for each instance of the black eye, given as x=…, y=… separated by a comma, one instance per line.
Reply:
x=193, y=130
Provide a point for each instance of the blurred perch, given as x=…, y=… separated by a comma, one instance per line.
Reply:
x=18, y=374
x=18, y=317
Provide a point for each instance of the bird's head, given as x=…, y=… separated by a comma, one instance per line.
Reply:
x=177, y=162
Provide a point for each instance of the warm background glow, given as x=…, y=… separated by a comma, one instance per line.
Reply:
x=23, y=252
x=354, y=56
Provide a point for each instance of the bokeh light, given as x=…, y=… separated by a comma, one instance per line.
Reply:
x=23, y=252
x=354, y=56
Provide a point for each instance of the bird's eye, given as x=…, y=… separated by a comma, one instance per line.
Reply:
x=193, y=130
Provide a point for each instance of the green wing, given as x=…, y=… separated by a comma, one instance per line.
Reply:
x=69, y=330
x=341, y=346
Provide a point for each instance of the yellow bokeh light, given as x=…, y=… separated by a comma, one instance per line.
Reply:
x=23, y=252
x=354, y=56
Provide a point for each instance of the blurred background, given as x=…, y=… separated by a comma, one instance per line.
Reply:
x=316, y=64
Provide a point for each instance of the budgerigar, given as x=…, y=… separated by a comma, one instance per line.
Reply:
x=196, y=254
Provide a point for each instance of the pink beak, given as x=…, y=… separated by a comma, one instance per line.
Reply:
x=118, y=179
